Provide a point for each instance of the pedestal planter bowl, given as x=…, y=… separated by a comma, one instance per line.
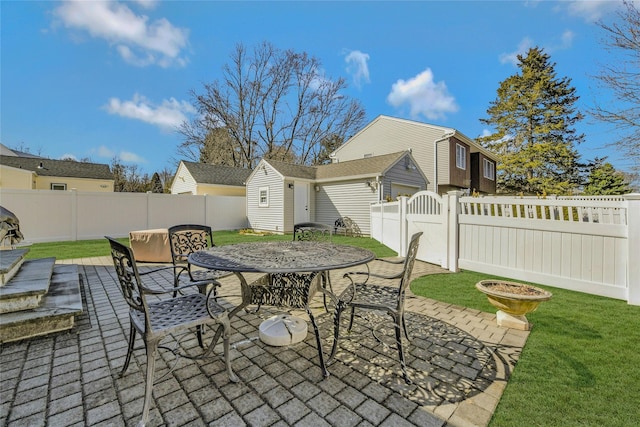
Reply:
x=513, y=301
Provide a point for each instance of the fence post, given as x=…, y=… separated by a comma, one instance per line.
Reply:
x=74, y=214
x=633, y=240
x=404, y=227
x=453, y=240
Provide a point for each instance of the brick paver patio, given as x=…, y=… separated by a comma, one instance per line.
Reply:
x=459, y=360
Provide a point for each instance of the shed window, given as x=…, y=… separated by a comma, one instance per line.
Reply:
x=62, y=187
x=489, y=169
x=461, y=156
x=263, y=196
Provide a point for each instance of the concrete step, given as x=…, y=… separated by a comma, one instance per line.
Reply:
x=56, y=312
x=28, y=286
x=10, y=262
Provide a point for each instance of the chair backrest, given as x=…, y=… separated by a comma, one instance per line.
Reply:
x=409, y=261
x=185, y=239
x=128, y=277
x=312, y=231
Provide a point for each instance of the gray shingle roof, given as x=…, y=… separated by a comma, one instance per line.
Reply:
x=61, y=168
x=367, y=166
x=217, y=174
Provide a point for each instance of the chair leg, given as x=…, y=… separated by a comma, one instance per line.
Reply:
x=353, y=315
x=404, y=326
x=132, y=340
x=323, y=366
x=336, y=328
x=226, y=335
x=152, y=348
x=398, y=325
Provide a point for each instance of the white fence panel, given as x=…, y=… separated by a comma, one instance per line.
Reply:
x=385, y=225
x=47, y=216
x=427, y=212
x=586, y=244
x=573, y=244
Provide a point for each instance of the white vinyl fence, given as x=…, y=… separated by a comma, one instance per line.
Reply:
x=47, y=216
x=584, y=244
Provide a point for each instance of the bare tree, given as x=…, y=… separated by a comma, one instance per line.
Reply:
x=622, y=77
x=270, y=103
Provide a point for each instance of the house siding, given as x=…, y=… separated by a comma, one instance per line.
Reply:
x=271, y=218
x=183, y=182
x=408, y=179
x=15, y=178
x=478, y=181
x=459, y=177
x=346, y=198
x=388, y=136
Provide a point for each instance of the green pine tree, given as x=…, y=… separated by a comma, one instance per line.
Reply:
x=604, y=179
x=533, y=117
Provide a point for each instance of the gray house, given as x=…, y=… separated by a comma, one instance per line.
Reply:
x=281, y=194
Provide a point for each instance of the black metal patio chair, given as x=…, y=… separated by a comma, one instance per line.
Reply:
x=155, y=318
x=317, y=232
x=390, y=299
x=185, y=239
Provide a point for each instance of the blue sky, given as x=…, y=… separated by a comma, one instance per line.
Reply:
x=103, y=79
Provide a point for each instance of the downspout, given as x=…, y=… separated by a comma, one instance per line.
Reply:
x=444, y=137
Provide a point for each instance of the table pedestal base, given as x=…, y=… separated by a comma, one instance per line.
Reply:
x=283, y=329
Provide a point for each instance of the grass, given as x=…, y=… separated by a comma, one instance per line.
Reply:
x=580, y=366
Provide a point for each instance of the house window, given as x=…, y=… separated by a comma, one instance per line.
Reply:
x=489, y=169
x=62, y=187
x=263, y=197
x=461, y=156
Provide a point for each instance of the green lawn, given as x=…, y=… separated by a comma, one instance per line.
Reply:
x=580, y=366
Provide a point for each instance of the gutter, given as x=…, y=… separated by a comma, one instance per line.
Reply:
x=444, y=137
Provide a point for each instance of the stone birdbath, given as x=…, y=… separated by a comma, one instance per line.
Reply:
x=513, y=301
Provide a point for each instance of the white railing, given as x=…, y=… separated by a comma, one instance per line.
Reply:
x=47, y=216
x=584, y=244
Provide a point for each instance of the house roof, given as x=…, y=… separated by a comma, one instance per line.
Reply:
x=62, y=168
x=6, y=151
x=371, y=166
x=217, y=174
x=446, y=131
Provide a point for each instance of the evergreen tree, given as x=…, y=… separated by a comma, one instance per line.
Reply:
x=156, y=184
x=605, y=180
x=533, y=116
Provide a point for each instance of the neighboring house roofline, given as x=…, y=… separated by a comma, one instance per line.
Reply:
x=204, y=173
x=59, y=168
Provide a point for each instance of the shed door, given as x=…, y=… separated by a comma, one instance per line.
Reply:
x=301, y=202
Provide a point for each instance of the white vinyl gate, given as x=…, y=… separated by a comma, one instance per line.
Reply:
x=427, y=212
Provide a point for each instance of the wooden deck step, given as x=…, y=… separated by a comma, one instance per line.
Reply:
x=56, y=312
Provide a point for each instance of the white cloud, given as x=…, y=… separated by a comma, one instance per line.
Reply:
x=168, y=115
x=357, y=66
x=591, y=10
x=68, y=156
x=137, y=40
x=124, y=156
x=512, y=57
x=423, y=95
x=105, y=152
x=129, y=157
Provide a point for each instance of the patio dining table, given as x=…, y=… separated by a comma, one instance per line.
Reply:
x=292, y=266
